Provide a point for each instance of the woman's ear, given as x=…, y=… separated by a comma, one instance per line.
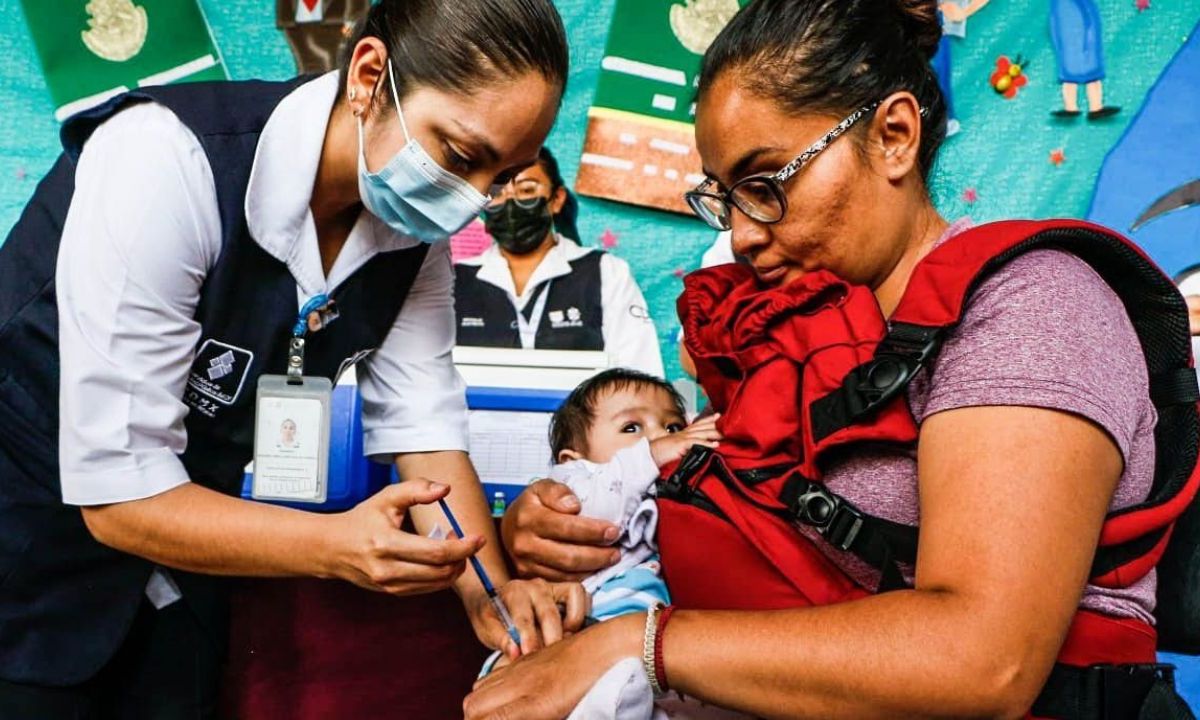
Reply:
x=896, y=131
x=557, y=199
x=366, y=74
x=566, y=454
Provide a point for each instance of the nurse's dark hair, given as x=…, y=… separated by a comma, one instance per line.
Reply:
x=570, y=424
x=835, y=56
x=564, y=221
x=461, y=45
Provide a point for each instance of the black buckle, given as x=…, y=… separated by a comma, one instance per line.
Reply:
x=679, y=482
x=901, y=353
x=836, y=520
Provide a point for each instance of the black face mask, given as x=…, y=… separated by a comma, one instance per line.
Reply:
x=517, y=229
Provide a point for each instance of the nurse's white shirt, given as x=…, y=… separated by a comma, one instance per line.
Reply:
x=630, y=337
x=141, y=235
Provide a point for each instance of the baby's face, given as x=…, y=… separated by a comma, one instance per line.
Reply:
x=627, y=415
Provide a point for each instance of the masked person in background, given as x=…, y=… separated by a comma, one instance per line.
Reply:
x=537, y=288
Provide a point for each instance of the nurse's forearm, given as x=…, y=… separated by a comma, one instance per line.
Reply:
x=468, y=503
x=200, y=530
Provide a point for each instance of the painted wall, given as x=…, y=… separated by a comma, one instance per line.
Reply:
x=1002, y=154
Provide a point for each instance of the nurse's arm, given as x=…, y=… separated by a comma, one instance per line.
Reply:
x=193, y=528
x=466, y=501
x=142, y=232
x=630, y=336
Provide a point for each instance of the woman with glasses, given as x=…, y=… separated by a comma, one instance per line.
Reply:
x=818, y=122
x=536, y=287
x=166, y=264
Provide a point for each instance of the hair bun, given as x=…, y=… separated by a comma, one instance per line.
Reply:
x=921, y=24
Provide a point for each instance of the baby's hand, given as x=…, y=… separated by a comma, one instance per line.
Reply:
x=669, y=448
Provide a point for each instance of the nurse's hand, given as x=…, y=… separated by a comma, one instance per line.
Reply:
x=547, y=538
x=542, y=611
x=367, y=547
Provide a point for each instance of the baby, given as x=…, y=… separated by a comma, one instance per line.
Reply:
x=609, y=438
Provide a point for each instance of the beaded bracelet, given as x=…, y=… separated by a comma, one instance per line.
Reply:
x=649, y=646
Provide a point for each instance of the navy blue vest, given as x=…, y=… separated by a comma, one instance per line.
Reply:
x=573, y=318
x=66, y=601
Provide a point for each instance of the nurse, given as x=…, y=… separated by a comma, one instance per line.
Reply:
x=160, y=271
x=537, y=288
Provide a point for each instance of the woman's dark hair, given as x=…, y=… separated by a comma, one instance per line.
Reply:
x=564, y=221
x=835, y=56
x=459, y=45
x=570, y=424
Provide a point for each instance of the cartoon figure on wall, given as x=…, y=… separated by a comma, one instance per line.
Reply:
x=316, y=29
x=1078, y=44
x=953, y=15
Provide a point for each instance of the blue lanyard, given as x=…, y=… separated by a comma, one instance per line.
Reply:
x=295, y=366
x=315, y=303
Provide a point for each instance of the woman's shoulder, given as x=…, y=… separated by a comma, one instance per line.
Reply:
x=1046, y=330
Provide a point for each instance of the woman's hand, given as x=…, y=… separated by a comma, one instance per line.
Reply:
x=547, y=538
x=541, y=611
x=549, y=684
x=367, y=547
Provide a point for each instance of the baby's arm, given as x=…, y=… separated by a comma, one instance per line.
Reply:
x=610, y=491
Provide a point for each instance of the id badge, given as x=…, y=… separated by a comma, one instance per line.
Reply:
x=291, y=438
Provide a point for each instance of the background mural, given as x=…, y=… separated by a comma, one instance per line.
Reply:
x=1014, y=155
x=1083, y=108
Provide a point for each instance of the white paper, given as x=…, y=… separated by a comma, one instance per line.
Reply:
x=510, y=447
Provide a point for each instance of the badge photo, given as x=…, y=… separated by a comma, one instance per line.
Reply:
x=291, y=439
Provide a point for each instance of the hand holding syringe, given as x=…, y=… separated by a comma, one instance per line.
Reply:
x=530, y=598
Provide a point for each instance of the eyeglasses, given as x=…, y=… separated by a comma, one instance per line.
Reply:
x=761, y=197
x=525, y=192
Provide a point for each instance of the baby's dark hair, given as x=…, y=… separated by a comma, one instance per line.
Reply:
x=569, y=426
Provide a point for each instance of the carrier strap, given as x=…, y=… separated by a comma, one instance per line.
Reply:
x=1112, y=692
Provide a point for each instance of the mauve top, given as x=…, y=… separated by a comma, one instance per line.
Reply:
x=1044, y=331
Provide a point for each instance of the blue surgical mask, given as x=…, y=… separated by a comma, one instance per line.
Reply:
x=413, y=194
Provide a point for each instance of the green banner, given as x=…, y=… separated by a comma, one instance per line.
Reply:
x=91, y=50
x=653, y=53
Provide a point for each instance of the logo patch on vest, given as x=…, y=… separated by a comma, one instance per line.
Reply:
x=471, y=322
x=218, y=374
x=571, y=318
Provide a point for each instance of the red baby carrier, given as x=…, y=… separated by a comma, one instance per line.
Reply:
x=808, y=371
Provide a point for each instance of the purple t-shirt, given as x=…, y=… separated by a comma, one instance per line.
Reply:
x=1043, y=331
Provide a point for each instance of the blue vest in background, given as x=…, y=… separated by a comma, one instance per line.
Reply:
x=573, y=318
x=66, y=601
